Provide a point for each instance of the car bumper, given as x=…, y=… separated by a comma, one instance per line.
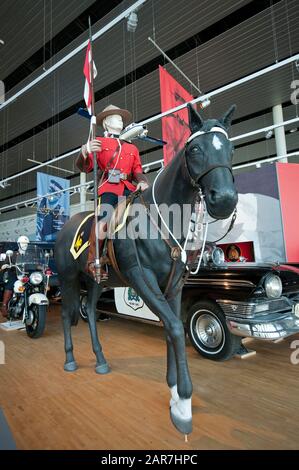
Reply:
x=270, y=326
x=267, y=327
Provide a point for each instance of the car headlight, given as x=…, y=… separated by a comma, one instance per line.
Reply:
x=273, y=286
x=218, y=256
x=36, y=278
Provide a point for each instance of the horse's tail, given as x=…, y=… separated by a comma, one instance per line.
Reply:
x=75, y=317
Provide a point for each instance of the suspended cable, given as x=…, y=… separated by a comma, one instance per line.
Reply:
x=274, y=32
x=124, y=56
x=154, y=20
x=82, y=46
x=290, y=46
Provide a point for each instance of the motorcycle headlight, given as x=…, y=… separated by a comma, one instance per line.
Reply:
x=36, y=278
x=218, y=256
x=273, y=286
x=18, y=287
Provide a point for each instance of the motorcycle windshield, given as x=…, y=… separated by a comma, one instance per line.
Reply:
x=33, y=259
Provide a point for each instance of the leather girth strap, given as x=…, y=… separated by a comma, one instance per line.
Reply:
x=113, y=261
x=174, y=254
x=117, y=215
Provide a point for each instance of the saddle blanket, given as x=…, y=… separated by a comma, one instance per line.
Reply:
x=81, y=238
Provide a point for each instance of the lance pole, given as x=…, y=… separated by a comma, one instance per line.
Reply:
x=95, y=162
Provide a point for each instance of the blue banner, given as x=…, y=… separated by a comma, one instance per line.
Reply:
x=52, y=211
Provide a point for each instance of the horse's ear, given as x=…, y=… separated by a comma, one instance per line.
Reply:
x=228, y=116
x=195, y=120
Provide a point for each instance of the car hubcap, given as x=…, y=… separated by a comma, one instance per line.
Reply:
x=83, y=307
x=209, y=330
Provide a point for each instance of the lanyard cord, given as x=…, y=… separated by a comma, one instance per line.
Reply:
x=119, y=152
x=183, y=252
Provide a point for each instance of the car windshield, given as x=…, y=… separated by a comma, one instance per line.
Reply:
x=34, y=259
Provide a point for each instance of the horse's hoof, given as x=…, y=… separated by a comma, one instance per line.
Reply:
x=182, y=425
x=103, y=368
x=70, y=366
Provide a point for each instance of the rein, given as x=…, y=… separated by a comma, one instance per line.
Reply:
x=178, y=251
x=174, y=254
x=232, y=222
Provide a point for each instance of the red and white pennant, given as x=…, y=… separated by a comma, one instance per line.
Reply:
x=86, y=71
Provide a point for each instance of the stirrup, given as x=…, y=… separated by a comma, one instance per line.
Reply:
x=98, y=273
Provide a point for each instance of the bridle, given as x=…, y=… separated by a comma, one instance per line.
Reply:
x=207, y=170
x=182, y=249
x=193, y=183
x=186, y=171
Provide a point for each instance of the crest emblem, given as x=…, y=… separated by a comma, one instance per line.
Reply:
x=79, y=242
x=132, y=299
x=233, y=253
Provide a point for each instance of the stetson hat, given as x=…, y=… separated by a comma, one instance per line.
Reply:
x=111, y=109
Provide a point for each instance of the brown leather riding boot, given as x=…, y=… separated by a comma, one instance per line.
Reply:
x=98, y=273
x=6, y=297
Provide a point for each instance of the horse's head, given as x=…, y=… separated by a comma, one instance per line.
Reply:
x=208, y=156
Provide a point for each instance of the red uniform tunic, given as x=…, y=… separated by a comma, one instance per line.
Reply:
x=128, y=162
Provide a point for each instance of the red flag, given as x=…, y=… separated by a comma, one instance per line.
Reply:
x=86, y=71
x=175, y=127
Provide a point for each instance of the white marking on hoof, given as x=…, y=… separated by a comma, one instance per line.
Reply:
x=174, y=395
x=217, y=142
x=182, y=409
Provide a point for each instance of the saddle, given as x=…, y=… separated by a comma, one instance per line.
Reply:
x=116, y=223
x=119, y=217
x=81, y=240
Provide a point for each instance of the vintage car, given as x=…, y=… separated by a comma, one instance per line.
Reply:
x=223, y=303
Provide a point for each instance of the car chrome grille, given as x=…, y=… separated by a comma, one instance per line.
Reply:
x=248, y=310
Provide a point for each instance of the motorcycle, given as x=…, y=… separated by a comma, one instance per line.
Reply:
x=29, y=303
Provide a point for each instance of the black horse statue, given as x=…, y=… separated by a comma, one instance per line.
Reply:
x=146, y=262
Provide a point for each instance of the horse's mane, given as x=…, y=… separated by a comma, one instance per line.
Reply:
x=207, y=125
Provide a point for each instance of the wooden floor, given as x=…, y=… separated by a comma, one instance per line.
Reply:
x=240, y=404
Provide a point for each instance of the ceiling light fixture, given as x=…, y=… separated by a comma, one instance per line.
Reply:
x=205, y=103
x=132, y=22
x=4, y=184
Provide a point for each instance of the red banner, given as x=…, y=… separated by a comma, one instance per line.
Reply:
x=288, y=177
x=175, y=128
